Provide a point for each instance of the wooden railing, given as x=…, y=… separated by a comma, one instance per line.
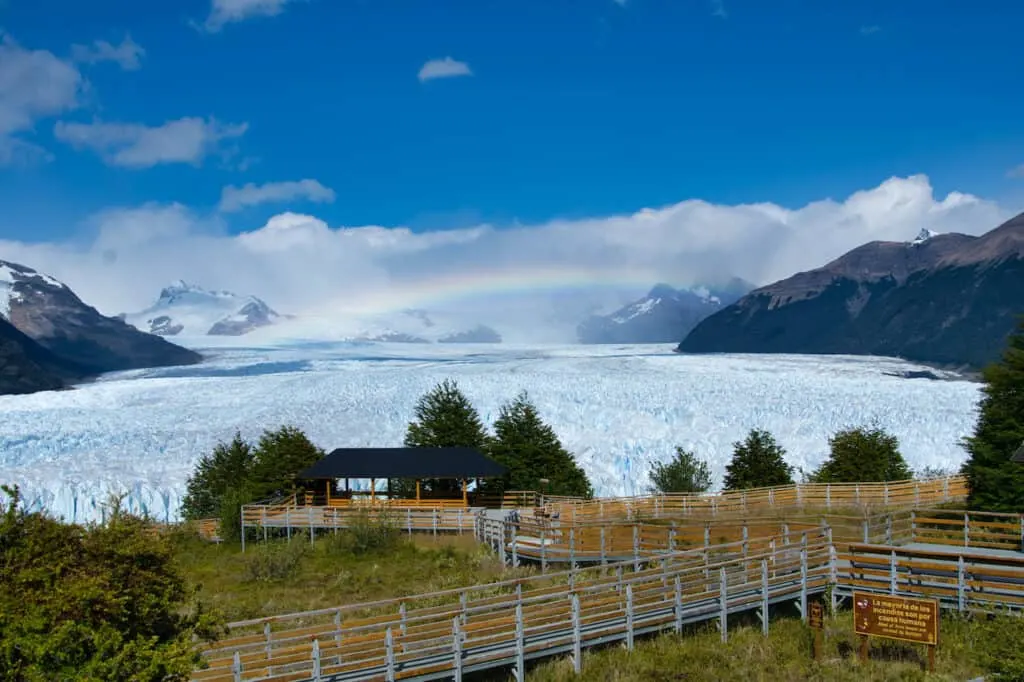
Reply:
x=960, y=579
x=656, y=584
x=824, y=496
x=514, y=621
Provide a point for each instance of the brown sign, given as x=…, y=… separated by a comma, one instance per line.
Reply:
x=903, y=618
x=816, y=617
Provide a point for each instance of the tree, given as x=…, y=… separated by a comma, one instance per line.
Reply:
x=105, y=602
x=444, y=417
x=228, y=466
x=995, y=483
x=683, y=474
x=279, y=458
x=235, y=474
x=531, y=450
x=757, y=462
x=860, y=455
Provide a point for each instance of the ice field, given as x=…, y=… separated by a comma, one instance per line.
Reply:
x=618, y=408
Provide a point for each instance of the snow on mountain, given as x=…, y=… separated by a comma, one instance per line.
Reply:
x=190, y=310
x=924, y=235
x=617, y=408
x=662, y=316
x=11, y=275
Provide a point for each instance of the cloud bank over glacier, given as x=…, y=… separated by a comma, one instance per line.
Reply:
x=301, y=264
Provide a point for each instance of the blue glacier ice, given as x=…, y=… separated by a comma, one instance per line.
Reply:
x=618, y=408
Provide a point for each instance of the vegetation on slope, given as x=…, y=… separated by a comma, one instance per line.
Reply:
x=967, y=649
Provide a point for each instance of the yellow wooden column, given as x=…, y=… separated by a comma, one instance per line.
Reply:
x=328, y=492
x=373, y=490
x=417, y=490
x=464, y=497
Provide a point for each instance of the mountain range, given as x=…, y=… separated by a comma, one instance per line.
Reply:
x=945, y=299
x=662, y=316
x=49, y=337
x=191, y=310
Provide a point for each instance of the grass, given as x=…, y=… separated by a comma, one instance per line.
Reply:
x=283, y=577
x=783, y=656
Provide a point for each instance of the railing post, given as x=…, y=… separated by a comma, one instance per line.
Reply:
x=885, y=492
x=389, y=655
x=434, y=518
x=892, y=571
x=460, y=520
x=672, y=537
x=577, y=638
x=636, y=548
x=520, y=666
x=288, y=522
x=707, y=534
x=888, y=529
x=961, y=584
x=543, y=552
x=828, y=496
x=408, y=524
x=917, y=494
x=764, y=597
x=945, y=489
x=803, y=577
x=572, y=548
x=785, y=534
x=618, y=578
x=236, y=667
x=401, y=618
x=913, y=525
x=833, y=577
x=463, y=606
x=316, y=660
x=864, y=526
x=242, y=519
x=456, y=650
x=604, y=556
x=269, y=645
x=337, y=627
x=629, y=616
x=678, y=604
x=309, y=521
x=967, y=529
x=723, y=604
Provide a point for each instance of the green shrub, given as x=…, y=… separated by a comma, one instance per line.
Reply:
x=276, y=560
x=999, y=647
x=367, y=533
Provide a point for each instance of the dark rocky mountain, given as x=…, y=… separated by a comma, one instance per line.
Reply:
x=478, y=334
x=947, y=299
x=662, y=316
x=60, y=337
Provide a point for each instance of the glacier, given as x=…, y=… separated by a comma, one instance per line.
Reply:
x=618, y=408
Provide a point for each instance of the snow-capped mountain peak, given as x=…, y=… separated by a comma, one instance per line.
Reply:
x=185, y=308
x=924, y=235
x=15, y=278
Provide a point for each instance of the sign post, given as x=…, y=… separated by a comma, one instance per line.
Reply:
x=904, y=618
x=816, y=619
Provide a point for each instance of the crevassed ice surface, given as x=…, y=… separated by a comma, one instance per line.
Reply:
x=618, y=408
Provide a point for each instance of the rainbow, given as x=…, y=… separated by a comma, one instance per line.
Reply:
x=452, y=288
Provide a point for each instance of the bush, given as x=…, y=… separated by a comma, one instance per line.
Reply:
x=102, y=602
x=998, y=650
x=757, y=462
x=863, y=455
x=276, y=560
x=367, y=534
x=683, y=474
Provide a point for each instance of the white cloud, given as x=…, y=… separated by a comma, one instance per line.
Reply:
x=443, y=68
x=127, y=55
x=1016, y=172
x=134, y=145
x=223, y=12
x=300, y=264
x=236, y=198
x=34, y=84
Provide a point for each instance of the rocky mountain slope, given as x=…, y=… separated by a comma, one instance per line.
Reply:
x=187, y=309
x=662, y=316
x=49, y=336
x=948, y=299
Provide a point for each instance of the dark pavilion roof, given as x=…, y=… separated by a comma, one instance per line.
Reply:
x=404, y=463
x=1019, y=455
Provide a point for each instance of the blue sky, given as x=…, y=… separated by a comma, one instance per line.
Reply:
x=572, y=109
x=499, y=145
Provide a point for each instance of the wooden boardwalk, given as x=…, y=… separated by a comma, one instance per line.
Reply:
x=733, y=568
